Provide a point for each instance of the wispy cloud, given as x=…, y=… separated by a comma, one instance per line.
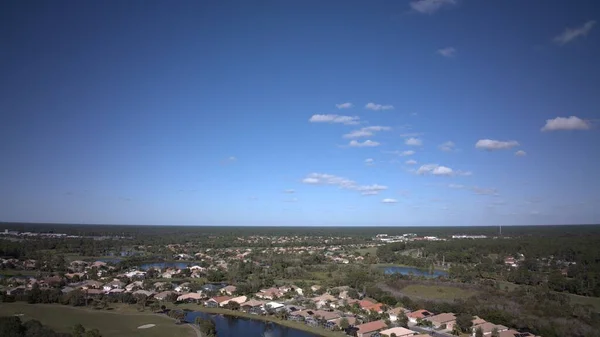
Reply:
x=439, y=170
x=346, y=105
x=366, y=143
x=366, y=131
x=413, y=141
x=289, y=191
x=389, y=201
x=332, y=118
x=401, y=153
x=484, y=191
x=492, y=145
x=411, y=162
x=566, y=123
x=369, y=161
x=447, y=52
x=520, y=153
x=411, y=134
x=378, y=107
x=430, y=6
x=447, y=146
x=291, y=200
x=571, y=34
x=344, y=183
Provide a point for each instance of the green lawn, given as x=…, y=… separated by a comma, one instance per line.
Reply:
x=435, y=292
x=120, y=322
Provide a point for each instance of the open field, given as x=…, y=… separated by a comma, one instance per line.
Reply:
x=290, y=324
x=120, y=322
x=575, y=299
x=435, y=292
x=371, y=250
x=594, y=301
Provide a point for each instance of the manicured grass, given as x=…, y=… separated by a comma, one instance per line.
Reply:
x=436, y=292
x=290, y=324
x=120, y=322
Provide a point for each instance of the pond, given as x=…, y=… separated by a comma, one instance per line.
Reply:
x=163, y=265
x=229, y=326
x=413, y=271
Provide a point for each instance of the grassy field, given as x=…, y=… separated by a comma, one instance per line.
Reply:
x=594, y=301
x=575, y=299
x=371, y=250
x=290, y=324
x=120, y=322
x=435, y=292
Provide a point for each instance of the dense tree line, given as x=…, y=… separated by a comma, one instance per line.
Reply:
x=12, y=326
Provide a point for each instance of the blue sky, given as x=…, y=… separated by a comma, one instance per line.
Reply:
x=300, y=112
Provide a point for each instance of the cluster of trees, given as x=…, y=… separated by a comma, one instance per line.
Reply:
x=534, y=309
x=12, y=326
x=207, y=327
x=562, y=263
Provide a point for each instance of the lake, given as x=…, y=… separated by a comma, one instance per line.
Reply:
x=228, y=326
x=163, y=265
x=413, y=271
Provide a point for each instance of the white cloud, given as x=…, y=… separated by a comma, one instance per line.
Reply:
x=378, y=107
x=377, y=128
x=411, y=162
x=442, y=171
x=566, y=123
x=491, y=145
x=389, y=201
x=344, y=183
x=371, y=189
x=447, y=146
x=366, y=143
x=413, y=141
x=520, y=153
x=366, y=131
x=430, y=6
x=401, y=153
x=232, y=158
x=456, y=186
x=447, y=52
x=571, y=34
x=331, y=118
x=289, y=191
x=369, y=161
x=439, y=170
x=346, y=105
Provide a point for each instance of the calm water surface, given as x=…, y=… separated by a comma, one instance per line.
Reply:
x=163, y=265
x=228, y=326
x=413, y=271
